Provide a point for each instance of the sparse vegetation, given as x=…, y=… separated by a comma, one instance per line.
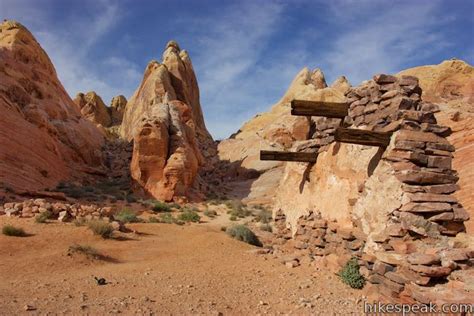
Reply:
x=86, y=250
x=126, y=216
x=10, y=230
x=43, y=217
x=243, y=233
x=233, y=218
x=189, y=216
x=80, y=221
x=264, y=216
x=167, y=218
x=175, y=205
x=350, y=274
x=237, y=209
x=101, y=228
x=210, y=213
x=153, y=220
x=161, y=207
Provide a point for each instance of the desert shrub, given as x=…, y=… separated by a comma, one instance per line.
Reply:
x=223, y=228
x=189, y=216
x=161, y=207
x=233, y=218
x=80, y=221
x=43, y=217
x=243, y=233
x=126, y=216
x=266, y=227
x=237, y=208
x=263, y=216
x=175, y=205
x=167, y=218
x=10, y=230
x=153, y=220
x=210, y=213
x=101, y=228
x=179, y=222
x=350, y=274
x=88, y=251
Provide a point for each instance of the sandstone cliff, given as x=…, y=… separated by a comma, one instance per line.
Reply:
x=43, y=138
x=276, y=130
x=164, y=119
x=451, y=85
x=93, y=108
x=117, y=108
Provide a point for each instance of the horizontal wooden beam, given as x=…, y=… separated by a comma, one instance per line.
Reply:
x=288, y=156
x=319, y=108
x=362, y=137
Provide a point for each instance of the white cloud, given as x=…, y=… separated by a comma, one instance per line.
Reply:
x=71, y=44
x=383, y=38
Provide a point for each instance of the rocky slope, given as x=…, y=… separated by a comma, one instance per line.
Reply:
x=93, y=108
x=117, y=108
x=275, y=130
x=164, y=119
x=451, y=85
x=43, y=138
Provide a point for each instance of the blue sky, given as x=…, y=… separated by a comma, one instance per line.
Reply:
x=245, y=53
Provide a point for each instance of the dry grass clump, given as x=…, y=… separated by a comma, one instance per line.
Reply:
x=86, y=250
x=101, y=228
x=43, y=217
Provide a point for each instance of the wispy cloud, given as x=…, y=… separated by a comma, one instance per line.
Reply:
x=70, y=46
x=380, y=37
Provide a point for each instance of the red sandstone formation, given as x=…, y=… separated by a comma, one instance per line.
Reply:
x=43, y=138
x=164, y=119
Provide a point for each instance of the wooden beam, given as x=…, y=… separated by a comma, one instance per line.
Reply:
x=288, y=156
x=319, y=108
x=362, y=137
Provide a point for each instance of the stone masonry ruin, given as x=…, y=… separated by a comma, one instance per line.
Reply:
x=391, y=207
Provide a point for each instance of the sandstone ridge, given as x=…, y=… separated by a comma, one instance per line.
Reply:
x=43, y=138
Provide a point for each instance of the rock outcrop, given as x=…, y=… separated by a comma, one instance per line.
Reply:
x=451, y=85
x=276, y=130
x=117, y=108
x=43, y=138
x=164, y=119
x=392, y=208
x=93, y=108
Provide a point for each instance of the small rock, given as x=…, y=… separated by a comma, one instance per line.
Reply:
x=29, y=307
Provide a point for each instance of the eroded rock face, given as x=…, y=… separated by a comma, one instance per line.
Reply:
x=277, y=130
x=43, y=138
x=451, y=85
x=117, y=108
x=93, y=108
x=164, y=119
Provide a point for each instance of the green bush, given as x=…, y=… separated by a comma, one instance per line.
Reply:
x=189, y=216
x=175, y=205
x=10, y=230
x=350, y=274
x=243, y=233
x=126, y=216
x=43, y=217
x=210, y=213
x=101, y=228
x=167, y=218
x=161, y=207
